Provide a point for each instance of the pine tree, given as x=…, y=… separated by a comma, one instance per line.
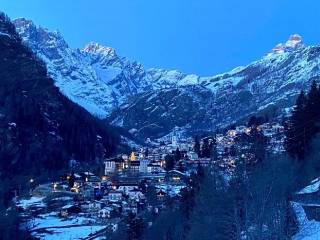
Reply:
x=170, y=162
x=205, y=150
x=295, y=129
x=213, y=150
x=196, y=147
x=177, y=155
x=258, y=144
x=212, y=216
x=313, y=111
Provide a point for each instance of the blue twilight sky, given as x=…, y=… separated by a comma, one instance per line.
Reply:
x=196, y=36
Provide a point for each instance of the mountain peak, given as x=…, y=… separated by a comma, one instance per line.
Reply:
x=294, y=42
x=28, y=30
x=22, y=22
x=96, y=48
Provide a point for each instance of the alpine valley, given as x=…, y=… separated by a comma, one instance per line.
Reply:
x=154, y=102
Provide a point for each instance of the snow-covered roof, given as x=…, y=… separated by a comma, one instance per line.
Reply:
x=312, y=188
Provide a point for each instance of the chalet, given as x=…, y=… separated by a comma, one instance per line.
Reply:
x=136, y=195
x=161, y=195
x=95, y=206
x=192, y=156
x=126, y=207
x=125, y=187
x=85, y=206
x=144, y=166
x=115, y=196
x=69, y=209
x=88, y=191
x=106, y=212
x=154, y=168
x=175, y=176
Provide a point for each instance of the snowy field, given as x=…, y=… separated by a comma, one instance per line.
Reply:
x=32, y=202
x=80, y=232
x=308, y=229
x=49, y=226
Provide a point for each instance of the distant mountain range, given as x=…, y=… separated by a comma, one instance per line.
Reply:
x=152, y=102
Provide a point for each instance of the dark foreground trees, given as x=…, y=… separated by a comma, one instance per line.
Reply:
x=303, y=124
x=251, y=204
x=40, y=129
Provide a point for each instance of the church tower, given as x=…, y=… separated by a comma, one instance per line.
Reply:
x=132, y=156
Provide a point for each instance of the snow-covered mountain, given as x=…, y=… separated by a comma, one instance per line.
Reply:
x=151, y=102
x=94, y=77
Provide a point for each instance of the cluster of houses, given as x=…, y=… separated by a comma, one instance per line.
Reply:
x=229, y=146
x=113, y=196
x=124, y=186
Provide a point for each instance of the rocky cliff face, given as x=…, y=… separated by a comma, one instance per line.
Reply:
x=151, y=102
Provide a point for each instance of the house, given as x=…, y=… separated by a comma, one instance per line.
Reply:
x=109, y=167
x=136, y=195
x=135, y=166
x=106, y=212
x=125, y=187
x=114, y=227
x=69, y=209
x=126, y=207
x=94, y=181
x=161, y=195
x=154, y=168
x=115, y=196
x=175, y=176
x=113, y=165
x=143, y=168
x=87, y=191
x=192, y=156
x=95, y=206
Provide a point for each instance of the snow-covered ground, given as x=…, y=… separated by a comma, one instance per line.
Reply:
x=32, y=202
x=308, y=229
x=69, y=233
x=51, y=220
x=50, y=226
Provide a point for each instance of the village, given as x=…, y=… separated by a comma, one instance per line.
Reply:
x=88, y=205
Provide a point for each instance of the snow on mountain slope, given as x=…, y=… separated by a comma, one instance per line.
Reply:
x=151, y=102
x=266, y=87
x=96, y=77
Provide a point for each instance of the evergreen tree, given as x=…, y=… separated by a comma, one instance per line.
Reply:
x=258, y=145
x=196, y=147
x=205, y=150
x=177, y=155
x=296, y=129
x=212, y=215
x=71, y=180
x=213, y=151
x=170, y=162
x=312, y=111
x=135, y=227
